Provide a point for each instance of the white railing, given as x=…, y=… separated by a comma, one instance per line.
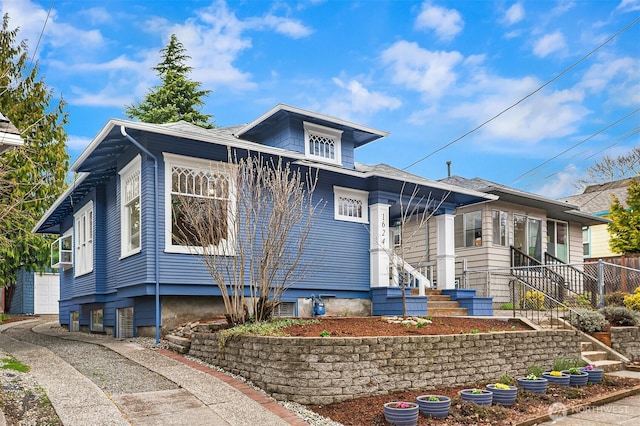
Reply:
x=401, y=271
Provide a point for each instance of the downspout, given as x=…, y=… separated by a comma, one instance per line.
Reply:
x=156, y=269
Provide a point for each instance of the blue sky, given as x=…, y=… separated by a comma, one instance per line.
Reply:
x=426, y=72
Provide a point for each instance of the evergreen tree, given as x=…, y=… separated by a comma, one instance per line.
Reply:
x=625, y=223
x=34, y=174
x=177, y=98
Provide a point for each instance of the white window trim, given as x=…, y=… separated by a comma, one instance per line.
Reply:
x=134, y=166
x=83, y=247
x=363, y=196
x=327, y=132
x=226, y=247
x=57, y=245
x=506, y=227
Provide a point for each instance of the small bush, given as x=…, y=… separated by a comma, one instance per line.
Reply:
x=506, y=306
x=588, y=321
x=560, y=364
x=619, y=316
x=535, y=370
x=506, y=379
x=533, y=300
x=633, y=301
x=614, y=299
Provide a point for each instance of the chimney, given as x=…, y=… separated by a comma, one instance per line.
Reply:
x=449, y=168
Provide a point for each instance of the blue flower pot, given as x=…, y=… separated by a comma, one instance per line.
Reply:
x=595, y=376
x=536, y=386
x=506, y=397
x=563, y=380
x=577, y=379
x=401, y=416
x=485, y=397
x=436, y=409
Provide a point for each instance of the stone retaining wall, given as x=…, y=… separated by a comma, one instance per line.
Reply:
x=626, y=340
x=325, y=370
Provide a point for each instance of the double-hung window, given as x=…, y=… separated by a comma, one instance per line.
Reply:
x=201, y=205
x=351, y=205
x=322, y=143
x=83, y=228
x=468, y=229
x=130, y=208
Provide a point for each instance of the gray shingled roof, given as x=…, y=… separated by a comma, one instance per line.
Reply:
x=596, y=199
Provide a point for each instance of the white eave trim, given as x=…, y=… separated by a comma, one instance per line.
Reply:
x=61, y=198
x=10, y=139
x=295, y=110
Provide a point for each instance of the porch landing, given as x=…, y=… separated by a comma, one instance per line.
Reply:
x=454, y=302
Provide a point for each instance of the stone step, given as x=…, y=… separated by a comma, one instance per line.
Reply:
x=178, y=344
x=593, y=356
x=438, y=298
x=447, y=312
x=586, y=346
x=609, y=365
x=444, y=304
x=432, y=292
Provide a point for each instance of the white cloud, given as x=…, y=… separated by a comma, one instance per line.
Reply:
x=560, y=184
x=549, y=43
x=553, y=114
x=629, y=5
x=514, y=14
x=446, y=23
x=78, y=142
x=355, y=99
x=289, y=27
x=428, y=72
x=617, y=78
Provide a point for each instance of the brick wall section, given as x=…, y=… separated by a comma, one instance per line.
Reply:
x=326, y=370
x=626, y=340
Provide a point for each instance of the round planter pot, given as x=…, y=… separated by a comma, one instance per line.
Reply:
x=595, y=375
x=436, y=409
x=485, y=397
x=506, y=397
x=536, y=386
x=577, y=379
x=557, y=380
x=401, y=416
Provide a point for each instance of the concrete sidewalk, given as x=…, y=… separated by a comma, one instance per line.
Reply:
x=203, y=396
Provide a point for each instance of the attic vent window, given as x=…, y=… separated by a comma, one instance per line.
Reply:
x=322, y=143
x=351, y=205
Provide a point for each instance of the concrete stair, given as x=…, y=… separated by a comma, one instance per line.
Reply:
x=442, y=305
x=599, y=358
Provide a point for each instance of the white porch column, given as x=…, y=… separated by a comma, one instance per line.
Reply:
x=379, y=245
x=446, y=254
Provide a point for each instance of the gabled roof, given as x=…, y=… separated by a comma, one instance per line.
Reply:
x=596, y=199
x=9, y=135
x=361, y=134
x=555, y=209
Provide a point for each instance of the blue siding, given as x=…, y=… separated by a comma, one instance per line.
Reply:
x=22, y=301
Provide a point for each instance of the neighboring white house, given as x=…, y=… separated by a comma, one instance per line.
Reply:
x=9, y=135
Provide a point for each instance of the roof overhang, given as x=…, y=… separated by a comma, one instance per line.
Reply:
x=361, y=134
x=560, y=210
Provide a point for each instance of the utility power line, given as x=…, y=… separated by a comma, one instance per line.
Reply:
x=563, y=72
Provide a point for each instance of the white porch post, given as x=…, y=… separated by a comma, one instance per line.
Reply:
x=446, y=254
x=379, y=245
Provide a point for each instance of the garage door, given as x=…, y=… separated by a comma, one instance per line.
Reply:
x=46, y=293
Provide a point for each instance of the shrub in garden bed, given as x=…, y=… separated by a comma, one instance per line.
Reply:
x=588, y=321
x=619, y=316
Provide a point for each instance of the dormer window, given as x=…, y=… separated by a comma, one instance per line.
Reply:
x=322, y=143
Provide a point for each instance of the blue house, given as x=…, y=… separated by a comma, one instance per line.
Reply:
x=122, y=273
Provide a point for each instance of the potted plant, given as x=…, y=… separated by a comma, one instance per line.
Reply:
x=477, y=396
x=401, y=413
x=576, y=377
x=503, y=394
x=556, y=377
x=595, y=374
x=533, y=383
x=435, y=406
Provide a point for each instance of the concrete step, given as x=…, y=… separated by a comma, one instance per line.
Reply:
x=595, y=355
x=441, y=304
x=586, y=346
x=609, y=365
x=447, y=312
